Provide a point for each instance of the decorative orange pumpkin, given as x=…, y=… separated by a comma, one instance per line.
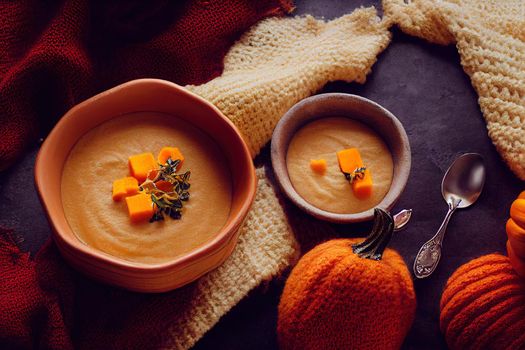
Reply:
x=515, y=228
x=516, y=235
x=483, y=306
x=516, y=261
x=343, y=295
x=517, y=211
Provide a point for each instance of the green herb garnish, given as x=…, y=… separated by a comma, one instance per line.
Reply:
x=357, y=174
x=168, y=203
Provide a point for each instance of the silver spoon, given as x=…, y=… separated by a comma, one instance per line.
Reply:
x=461, y=187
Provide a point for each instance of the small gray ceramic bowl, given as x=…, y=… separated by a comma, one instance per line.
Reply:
x=354, y=107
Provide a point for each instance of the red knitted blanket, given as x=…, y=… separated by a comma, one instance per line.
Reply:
x=53, y=55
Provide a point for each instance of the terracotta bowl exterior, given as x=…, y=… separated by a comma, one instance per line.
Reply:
x=350, y=106
x=173, y=100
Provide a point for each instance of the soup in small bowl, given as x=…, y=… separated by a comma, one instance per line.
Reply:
x=145, y=185
x=338, y=156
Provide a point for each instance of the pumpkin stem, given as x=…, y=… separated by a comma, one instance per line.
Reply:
x=376, y=242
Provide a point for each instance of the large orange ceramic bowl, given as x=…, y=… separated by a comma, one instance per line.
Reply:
x=150, y=95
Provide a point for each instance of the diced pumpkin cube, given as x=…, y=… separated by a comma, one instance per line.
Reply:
x=170, y=152
x=142, y=164
x=363, y=187
x=124, y=187
x=140, y=207
x=318, y=165
x=521, y=195
x=349, y=160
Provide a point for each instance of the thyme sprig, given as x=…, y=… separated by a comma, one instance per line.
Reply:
x=167, y=203
x=357, y=174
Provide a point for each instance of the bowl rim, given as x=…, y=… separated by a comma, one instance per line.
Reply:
x=222, y=237
x=296, y=116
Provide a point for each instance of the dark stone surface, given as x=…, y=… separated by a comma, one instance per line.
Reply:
x=425, y=87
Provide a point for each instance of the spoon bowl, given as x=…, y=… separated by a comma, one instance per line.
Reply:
x=464, y=180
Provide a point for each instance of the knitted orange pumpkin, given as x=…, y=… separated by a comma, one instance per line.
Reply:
x=343, y=295
x=515, y=228
x=483, y=306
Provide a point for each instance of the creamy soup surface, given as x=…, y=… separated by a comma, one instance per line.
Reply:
x=322, y=139
x=101, y=156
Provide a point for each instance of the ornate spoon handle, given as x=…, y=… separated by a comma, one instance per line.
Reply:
x=428, y=256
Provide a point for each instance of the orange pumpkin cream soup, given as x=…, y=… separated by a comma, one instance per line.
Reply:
x=339, y=165
x=146, y=187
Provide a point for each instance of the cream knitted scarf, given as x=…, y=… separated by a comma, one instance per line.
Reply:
x=490, y=38
x=281, y=61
